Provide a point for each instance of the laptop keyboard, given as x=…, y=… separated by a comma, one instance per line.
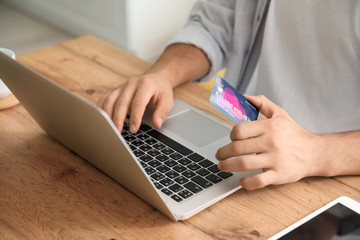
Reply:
x=174, y=169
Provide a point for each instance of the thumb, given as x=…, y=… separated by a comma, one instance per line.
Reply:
x=163, y=107
x=265, y=106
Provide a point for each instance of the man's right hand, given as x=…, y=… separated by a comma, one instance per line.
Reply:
x=178, y=64
x=134, y=95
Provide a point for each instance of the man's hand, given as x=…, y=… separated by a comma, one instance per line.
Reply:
x=135, y=94
x=178, y=64
x=284, y=150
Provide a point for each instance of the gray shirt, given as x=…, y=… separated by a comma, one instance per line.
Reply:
x=310, y=55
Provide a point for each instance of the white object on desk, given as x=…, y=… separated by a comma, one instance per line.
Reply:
x=4, y=90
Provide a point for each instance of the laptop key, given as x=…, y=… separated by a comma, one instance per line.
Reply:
x=169, y=142
x=224, y=175
x=143, y=164
x=196, y=157
x=138, y=152
x=170, y=163
x=176, y=198
x=158, y=146
x=214, y=169
x=146, y=158
x=158, y=185
x=129, y=138
x=154, y=163
x=181, y=180
x=172, y=174
x=193, y=166
x=202, y=172
x=166, y=182
x=176, y=156
x=179, y=168
x=150, y=170
x=206, y=163
x=188, y=174
x=157, y=176
x=137, y=142
x=167, y=151
x=193, y=187
x=162, y=157
x=151, y=141
x=184, y=161
x=153, y=152
x=213, y=178
x=145, y=147
x=176, y=187
x=132, y=147
x=144, y=127
x=163, y=169
x=202, y=182
x=185, y=194
x=142, y=136
x=167, y=191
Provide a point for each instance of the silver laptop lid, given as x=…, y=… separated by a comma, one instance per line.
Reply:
x=81, y=126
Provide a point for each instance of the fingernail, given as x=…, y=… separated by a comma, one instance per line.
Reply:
x=219, y=165
x=132, y=128
x=159, y=121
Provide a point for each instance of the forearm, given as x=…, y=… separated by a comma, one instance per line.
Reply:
x=339, y=154
x=181, y=63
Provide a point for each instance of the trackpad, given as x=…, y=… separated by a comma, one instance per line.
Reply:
x=196, y=128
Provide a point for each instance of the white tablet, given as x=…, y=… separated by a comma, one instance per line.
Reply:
x=337, y=220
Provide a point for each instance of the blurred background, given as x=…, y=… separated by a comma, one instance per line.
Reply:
x=141, y=27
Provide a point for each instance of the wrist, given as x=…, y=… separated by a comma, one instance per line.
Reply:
x=181, y=63
x=338, y=154
x=321, y=159
x=166, y=72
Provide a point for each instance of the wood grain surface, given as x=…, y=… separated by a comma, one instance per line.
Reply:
x=8, y=102
x=48, y=192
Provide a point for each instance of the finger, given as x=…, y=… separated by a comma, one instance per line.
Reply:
x=101, y=100
x=164, y=104
x=245, y=130
x=265, y=106
x=123, y=102
x=138, y=106
x=110, y=101
x=258, y=181
x=244, y=163
x=238, y=148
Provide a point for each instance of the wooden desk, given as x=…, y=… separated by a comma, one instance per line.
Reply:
x=48, y=192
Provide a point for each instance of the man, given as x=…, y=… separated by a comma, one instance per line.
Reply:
x=308, y=64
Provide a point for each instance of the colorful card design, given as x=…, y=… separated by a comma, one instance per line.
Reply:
x=232, y=103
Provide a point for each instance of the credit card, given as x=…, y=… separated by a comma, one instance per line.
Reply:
x=232, y=103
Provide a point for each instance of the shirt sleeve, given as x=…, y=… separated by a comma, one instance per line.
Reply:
x=210, y=27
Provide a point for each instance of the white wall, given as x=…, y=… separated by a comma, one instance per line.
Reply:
x=151, y=23
x=141, y=27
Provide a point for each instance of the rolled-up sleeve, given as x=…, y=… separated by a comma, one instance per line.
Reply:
x=210, y=28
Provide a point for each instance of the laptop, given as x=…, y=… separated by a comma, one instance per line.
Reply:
x=172, y=168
